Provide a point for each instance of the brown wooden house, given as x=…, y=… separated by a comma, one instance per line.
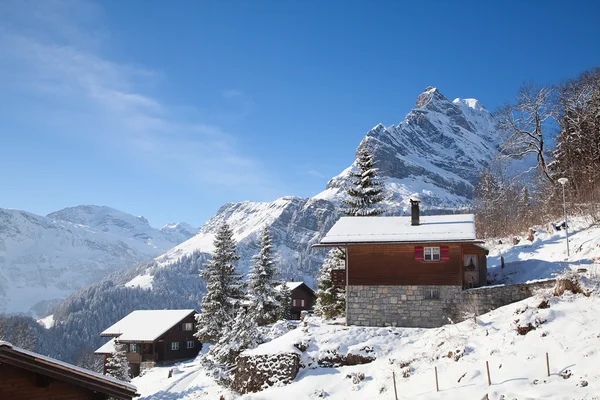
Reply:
x=407, y=271
x=26, y=375
x=153, y=336
x=303, y=298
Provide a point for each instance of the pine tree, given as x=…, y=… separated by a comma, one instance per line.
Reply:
x=117, y=365
x=224, y=288
x=262, y=293
x=244, y=334
x=331, y=300
x=285, y=301
x=366, y=189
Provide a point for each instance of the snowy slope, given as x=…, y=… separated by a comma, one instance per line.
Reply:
x=436, y=152
x=47, y=258
x=569, y=331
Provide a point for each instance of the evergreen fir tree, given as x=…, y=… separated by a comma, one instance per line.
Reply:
x=117, y=365
x=224, y=288
x=331, y=300
x=285, y=302
x=366, y=189
x=244, y=334
x=262, y=293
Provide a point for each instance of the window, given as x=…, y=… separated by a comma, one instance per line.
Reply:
x=294, y=303
x=431, y=254
x=188, y=326
x=133, y=348
x=432, y=294
x=174, y=345
x=190, y=344
x=301, y=303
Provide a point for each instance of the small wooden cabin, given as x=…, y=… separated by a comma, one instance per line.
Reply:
x=27, y=375
x=406, y=259
x=153, y=336
x=303, y=298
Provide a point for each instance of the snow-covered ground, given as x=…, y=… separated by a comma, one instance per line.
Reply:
x=568, y=331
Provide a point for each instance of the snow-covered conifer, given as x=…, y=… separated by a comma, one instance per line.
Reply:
x=365, y=191
x=262, y=293
x=224, y=288
x=244, y=334
x=285, y=301
x=117, y=365
x=331, y=300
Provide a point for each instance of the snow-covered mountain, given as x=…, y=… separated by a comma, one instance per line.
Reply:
x=45, y=259
x=436, y=152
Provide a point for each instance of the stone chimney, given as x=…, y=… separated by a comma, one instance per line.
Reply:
x=414, y=212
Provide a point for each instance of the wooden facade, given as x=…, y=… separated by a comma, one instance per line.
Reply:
x=28, y=376
x=303, y=298
x=397, y=264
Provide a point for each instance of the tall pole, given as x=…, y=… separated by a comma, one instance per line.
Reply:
x=563, y=182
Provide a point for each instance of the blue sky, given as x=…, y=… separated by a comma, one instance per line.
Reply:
x=170, y=109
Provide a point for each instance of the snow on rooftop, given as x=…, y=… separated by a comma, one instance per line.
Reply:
x=107, y=348
x=434, y=228
x=293, y=285
x=145, y=325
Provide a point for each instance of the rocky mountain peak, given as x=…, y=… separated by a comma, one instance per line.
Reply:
x=429, y=95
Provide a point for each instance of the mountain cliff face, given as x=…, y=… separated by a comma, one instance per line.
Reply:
x=435, y=153
x=45, y=259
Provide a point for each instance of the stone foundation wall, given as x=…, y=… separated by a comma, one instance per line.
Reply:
x=485, y=299
x=413, y=306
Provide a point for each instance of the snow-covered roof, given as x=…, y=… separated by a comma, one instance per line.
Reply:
x=107, y=348
x=66, y=366
x=293, y=285
x=145, y=325
x=434, y=228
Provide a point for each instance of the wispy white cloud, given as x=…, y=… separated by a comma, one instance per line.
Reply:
x=315, y=173
x=53, y=53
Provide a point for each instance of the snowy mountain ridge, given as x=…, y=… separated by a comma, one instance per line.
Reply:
x=45, y=259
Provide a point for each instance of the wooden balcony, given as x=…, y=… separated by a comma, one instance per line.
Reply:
x=134, y=358
x=338, y=277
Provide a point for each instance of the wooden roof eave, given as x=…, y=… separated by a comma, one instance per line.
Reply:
x=58, y=372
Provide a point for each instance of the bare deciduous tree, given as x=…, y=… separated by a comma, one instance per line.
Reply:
x=524, y=126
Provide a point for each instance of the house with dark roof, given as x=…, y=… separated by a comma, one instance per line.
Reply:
x=407, y=271
x=28, y=375
x=303, y=298
x=153, y=337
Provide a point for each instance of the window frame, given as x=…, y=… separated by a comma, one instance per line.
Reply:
x=186, y=324
x=174, y=346
x=432, y=253
x=190, y=344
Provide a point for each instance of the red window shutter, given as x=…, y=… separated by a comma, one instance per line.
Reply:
x=444, y=253
x=419, y=253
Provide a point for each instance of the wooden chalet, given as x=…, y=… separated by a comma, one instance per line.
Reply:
x=26, y=375
x=303, y=298
x=402, y=255
x=153, y=337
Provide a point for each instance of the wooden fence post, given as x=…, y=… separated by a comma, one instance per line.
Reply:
x=437, y=386
x=487, y=366
x=395, y=391
x=547, y=364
